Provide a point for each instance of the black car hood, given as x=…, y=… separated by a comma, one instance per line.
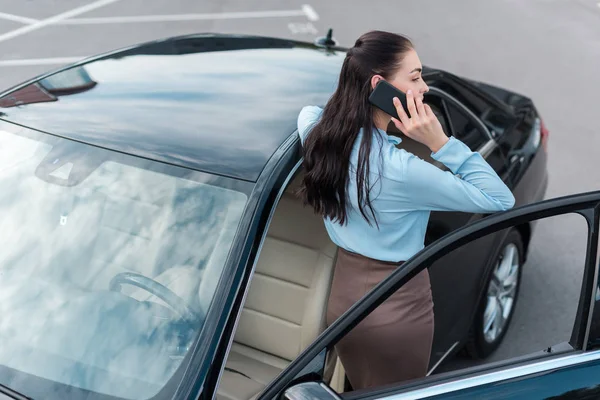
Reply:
x=220, y=104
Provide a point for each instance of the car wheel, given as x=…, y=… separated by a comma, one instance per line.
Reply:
x=499, y=300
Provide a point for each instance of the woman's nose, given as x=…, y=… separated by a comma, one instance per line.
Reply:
x=425, y=88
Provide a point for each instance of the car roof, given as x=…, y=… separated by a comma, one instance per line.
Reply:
x=216, y=103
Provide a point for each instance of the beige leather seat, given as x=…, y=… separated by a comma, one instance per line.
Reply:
x=285, y=307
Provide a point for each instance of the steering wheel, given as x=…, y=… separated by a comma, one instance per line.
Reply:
x=155, y=288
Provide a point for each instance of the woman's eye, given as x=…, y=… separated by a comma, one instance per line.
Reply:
x=416, y=79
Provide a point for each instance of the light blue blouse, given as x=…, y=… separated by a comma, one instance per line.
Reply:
x=407, y=190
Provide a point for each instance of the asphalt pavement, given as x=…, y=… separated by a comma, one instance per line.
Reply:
x=546, y=49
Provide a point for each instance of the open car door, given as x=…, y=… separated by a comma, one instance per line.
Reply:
x=571, y=368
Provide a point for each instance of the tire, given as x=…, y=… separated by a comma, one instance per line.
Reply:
x=489, y=327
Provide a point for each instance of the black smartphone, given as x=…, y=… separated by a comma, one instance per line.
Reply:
x=383, y=95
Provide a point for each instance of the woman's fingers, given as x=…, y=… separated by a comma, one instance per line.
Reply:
x=428, y=111
x=401, y=127
x=420, y=107
x=410, y=102
x=401, y=113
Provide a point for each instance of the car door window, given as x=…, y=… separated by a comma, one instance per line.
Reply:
x=494, y=117
x=472, y=100
x=500, y=226
x=465, y=128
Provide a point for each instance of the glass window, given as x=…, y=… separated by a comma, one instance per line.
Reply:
x=469, y=98
x=108, y=264
x=465, y=129
x=494, y=118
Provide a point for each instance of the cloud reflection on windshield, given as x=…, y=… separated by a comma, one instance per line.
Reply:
x=62, y=246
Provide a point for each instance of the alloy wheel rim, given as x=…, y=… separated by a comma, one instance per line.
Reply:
x=501, y=293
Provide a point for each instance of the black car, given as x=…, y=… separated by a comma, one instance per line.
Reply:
x=152, y=246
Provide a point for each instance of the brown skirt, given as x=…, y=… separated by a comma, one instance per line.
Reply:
x=393, y=343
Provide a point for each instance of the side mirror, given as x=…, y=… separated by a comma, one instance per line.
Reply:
x=310, y=391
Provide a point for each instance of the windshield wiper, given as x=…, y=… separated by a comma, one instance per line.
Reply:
x=7, y=393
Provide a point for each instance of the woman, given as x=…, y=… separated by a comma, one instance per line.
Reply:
x=376, y=199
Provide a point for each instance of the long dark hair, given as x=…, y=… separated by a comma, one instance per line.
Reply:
x=328, y=147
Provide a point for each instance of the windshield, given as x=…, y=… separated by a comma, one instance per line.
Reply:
x=108, y=265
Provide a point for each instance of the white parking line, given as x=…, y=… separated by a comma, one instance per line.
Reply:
x=310, y=12
x=18, y=18
x=66, y=18
x=39, y=61
x=55, y=19
x=184, y=17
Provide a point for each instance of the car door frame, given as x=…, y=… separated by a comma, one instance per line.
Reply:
x=303, y=368
x=486, y=147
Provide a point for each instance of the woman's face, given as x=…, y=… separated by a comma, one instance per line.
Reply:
x=408, y=76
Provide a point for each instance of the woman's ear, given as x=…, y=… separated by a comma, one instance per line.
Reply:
x=375, y=80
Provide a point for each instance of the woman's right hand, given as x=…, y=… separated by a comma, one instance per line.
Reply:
x=422, y=125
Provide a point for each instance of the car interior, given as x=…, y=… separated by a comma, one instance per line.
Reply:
x=285, y=306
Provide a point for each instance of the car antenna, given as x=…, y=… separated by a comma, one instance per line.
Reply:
x=326, y=41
